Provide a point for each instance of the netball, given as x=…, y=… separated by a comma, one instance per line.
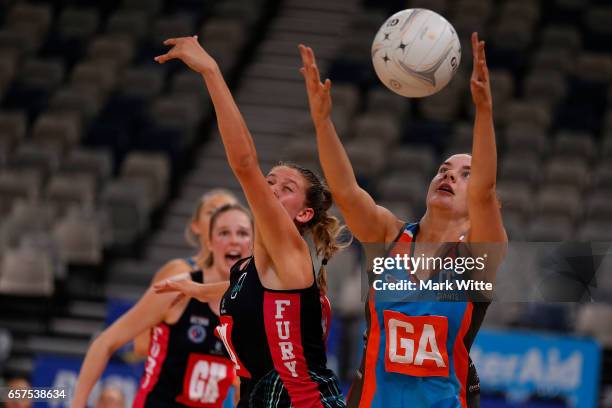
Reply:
x=416, y=53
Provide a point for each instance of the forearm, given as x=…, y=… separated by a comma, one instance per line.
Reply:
x=334, y=161
x=484, y=153
x=210, y=291
x=93, y=366
x=235, y=135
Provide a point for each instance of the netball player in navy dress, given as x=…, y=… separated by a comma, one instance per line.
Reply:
x=417, y=353
x=187, y=365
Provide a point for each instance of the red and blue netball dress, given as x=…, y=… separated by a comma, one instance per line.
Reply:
x=417, y=349
x=187, y=365
x=276, y=339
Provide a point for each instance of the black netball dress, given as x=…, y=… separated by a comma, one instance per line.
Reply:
x=187, y=365
x=276, y=339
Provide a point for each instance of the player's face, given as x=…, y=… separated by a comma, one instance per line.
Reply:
x=448, y=189
x=201, y=226
x=231, y=238
x=289, y=186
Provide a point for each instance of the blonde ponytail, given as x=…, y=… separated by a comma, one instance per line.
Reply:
x=325, y=237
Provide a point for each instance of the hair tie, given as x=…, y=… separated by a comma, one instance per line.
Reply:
x=324, y=261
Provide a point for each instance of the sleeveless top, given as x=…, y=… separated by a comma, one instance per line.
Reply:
x=276, y=340
x=417, y=350
x=187, y=366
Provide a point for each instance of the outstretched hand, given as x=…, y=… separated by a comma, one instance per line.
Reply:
x=319, y=97
x=479, y=83
x=186, y=288
x=188, y=50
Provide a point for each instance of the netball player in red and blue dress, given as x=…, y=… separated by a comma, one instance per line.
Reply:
x=417, y=353
x=272, y=313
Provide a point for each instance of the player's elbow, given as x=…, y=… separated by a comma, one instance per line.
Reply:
x=243, y=164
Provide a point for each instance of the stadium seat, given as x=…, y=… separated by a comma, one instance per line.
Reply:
x=17, y=184
x=414, y=159
x=525, y=138
x=13, y=127
x=367, y=156
x=445, y=105
x=552, y=59
x=36, y=158
x=78, y=23
x=564, y=171
x=150, y=7
x=598, y=205
x=8, y=69
x=376, y=125
x=595, y=319
x=593, y=67
x=381, y=100
x=559, y=201
x=596, y=231
x=182, y=112
x=561, y=37
x=527, y=112
x=79, y=237
x=67, y=190
x=127, y=206
x=18, y=41
x=118, y=48
x=80, y=99
x=59, y=130
x=517, y=168
x=142, y=82
x=545, y=86
x=579, y=145
x=347, y=97
x=178, y=25
x=43, y=74
x=26, y=271
x=602, y=177
x=153, y=167
x=98, y=73
x=516, y=198
x=133, y=23
x=189, y=83
x=27, y=217
x=409, y=188
x=549, y=229
x=96, y=163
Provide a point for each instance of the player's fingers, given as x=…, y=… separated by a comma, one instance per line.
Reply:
x=327, y=85
x=311, y=56
x=474, y=43
x=171, y=41
x=316, y=72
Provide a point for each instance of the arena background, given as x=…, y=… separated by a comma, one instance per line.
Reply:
x=103, y=154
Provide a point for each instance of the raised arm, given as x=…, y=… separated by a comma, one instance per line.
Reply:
x=367, y=221
x=271, y=219
x=485, y=217
x=149, y=311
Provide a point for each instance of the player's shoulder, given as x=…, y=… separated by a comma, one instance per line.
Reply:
x=172, y=268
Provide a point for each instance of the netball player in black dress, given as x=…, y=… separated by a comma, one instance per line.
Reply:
x=271, y=315
x=187, y=366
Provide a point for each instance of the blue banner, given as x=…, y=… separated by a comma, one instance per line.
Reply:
x=62, y=372
x=525, y=364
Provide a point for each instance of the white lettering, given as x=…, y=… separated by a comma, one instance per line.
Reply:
x=286, y=350
x=279, y=326
x=405, y=343
x=428, y=337
x=291, y=366
x=280, y=309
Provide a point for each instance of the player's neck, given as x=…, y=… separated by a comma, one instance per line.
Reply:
x=441, y=228
x=215, y=274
